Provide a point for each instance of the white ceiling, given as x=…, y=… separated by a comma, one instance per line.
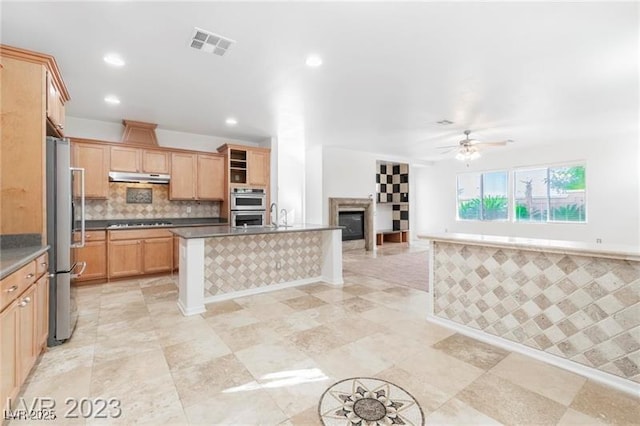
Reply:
x=539, y=73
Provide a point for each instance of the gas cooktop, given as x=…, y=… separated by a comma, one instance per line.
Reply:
x=138, y=225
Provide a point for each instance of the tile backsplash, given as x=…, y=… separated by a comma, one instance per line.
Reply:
x=116, y=206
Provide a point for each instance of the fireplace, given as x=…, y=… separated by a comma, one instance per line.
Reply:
x=363, y=207
x=353, y=223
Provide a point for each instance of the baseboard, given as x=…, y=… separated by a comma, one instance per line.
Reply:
x=193, y=311
x=262, y=289
x=616, y=382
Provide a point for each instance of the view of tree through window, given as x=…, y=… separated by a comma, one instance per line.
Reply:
x=552, y=194
x=483, y=196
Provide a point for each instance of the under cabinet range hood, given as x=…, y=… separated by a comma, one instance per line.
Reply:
x=138, y=177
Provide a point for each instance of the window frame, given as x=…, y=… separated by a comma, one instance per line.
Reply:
x=481, y=196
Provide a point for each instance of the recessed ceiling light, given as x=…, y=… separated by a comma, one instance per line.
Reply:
x=313, y=61
x=111, y=100
x=231, y=121
x=113, y=59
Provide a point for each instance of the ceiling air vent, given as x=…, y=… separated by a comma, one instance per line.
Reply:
x=210, y=42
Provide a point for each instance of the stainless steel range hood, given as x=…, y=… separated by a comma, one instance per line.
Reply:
x=138, y=177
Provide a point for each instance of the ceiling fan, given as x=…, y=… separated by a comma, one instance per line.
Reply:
x=468, y=148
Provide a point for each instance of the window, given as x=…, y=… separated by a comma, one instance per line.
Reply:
x=483, y=196
x=550, y=194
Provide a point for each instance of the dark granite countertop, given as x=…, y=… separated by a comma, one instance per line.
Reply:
x=12, y=259
x=225, y=231
x=98, y=225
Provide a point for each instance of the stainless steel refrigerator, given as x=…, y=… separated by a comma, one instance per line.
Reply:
x=65, y=213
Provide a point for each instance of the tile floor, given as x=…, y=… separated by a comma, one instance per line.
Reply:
x=267, y=359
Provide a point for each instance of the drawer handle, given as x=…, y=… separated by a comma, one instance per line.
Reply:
x=44, y=264
x=25, y=302
x=30, y=276
x=12, y=289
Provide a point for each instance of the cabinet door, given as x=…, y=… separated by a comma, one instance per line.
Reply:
x=27, y=331
x=53, y=101
x=258, y=167
x=210, y=177
x=183, y=177
x=95, y=254
x=95, y=161
x=42, y=312
x=158, y=255
x=125, y=258
x=155, y=162
x=125, y=159
x=9, y=377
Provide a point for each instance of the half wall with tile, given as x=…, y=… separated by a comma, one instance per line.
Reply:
x=584, y=308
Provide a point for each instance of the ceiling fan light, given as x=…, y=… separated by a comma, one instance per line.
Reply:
x=474, y=155
x=460, y=156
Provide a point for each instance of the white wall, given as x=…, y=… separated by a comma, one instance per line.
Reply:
x=613, y=193
x=112, y=132
x=349, y=173
x=313, y=185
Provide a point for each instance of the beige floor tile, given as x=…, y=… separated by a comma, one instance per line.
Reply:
x=353, y=327
x=576, y=418
x=203, y=382
x=287, y=293
x=194, y=352
x=249, y=335
x=326, y=313
x=335, y=295
x=268, y=311
x=61, y=360
x=510, y=403
x=429, y=397
x=257, y=299
x=553, y=382
x=268, y=358
x=74, y=383
x=315, y=287
x=358, y=289
x=436, y=367
x=308, y=417
x=356, y=304
x=198, y=328
x=222, y=307
x=473, y=351
x=241, y=408
x=299, y=388
x=125, y=330
x=351, y=360
x=607, y=404
x=456, y=412
x=317, y=340
x=304, y=302
x=232, y=320
x=115, y=374
x=293, y=323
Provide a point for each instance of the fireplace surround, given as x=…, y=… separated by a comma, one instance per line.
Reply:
x=337, y=205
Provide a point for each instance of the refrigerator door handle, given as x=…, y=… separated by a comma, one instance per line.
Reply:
x=82, y=209
x=84, y=266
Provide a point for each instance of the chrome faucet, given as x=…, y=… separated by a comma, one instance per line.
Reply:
x=284, y=212
x=271, y=214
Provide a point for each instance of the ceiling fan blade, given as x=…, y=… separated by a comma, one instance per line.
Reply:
x=448, y=150
x=497, y=143
x=448, y=147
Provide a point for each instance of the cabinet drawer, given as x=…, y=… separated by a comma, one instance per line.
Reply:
x=16, y=283
x=42, y=265
x=139, y=234
x=90, y=236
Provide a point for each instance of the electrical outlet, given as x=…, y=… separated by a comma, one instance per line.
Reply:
x=446, y=230
x=278, y=265
x=599, y=240
x=188, y=209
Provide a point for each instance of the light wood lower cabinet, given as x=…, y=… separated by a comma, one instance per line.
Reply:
x=94, y=253
x=125, y=258
x=9, y=365
x=137, y=252
x=24, y=326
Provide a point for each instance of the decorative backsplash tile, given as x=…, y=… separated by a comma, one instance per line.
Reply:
x=586, y=309
x=116, y=206
x=249, y=261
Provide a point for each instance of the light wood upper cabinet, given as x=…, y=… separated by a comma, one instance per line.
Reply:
x=55, y=105
x=210, y=177
x=94, y=158
x=183, y=176
x=258, y=167
x=124, y=159
x=155, y=162
x=127, y=159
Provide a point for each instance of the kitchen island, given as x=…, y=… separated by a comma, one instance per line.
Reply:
x=222, y=262
x=572, y=304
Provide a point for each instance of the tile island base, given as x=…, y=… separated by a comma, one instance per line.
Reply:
x=220, y=263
